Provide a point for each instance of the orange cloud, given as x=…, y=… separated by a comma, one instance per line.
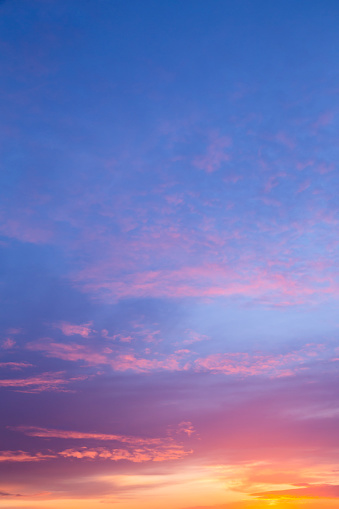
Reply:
x=315, y=491
x=21, y=456
x=166, y=452
x=54, y=433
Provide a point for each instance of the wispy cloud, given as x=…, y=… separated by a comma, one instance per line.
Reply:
x=78, y=435
x=242, y=363
x=15, y=365
x=315, y=491
x=39, y=383
x=23, y=457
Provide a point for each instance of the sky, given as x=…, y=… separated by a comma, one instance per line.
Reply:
x=169, y=254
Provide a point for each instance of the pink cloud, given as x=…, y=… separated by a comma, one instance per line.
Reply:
x=69, y=329
x=174, y=199
x=208, y=280
x=304, y=164
x=215, y=154
x=138, y=450
x=232, y=178
x=23, y=229
x=325, y=168
x=303, y=186
x=270, y=201
x=14, y=330
x=187, y=428
x=141, y=365
x=323, y=120
x=8, y=343
x=69, y=351
x=119, y=362
x=246, y=364
x=194, y=337
x=15, y=365
x=286, y=140
x=39, y=383
x=234, y=363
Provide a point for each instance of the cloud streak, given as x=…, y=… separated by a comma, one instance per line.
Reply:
x=45, y=382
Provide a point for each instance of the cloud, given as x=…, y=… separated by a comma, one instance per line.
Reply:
x=45, y=382
x=246, y=364
x=209, y=281
x=69, y=351
x=136, y=449
x=23, y=457
x=8, y=343
x=186, y=427
x=69, y=329
x=14, y=330
x=194, y=337
x=6, y=494
x=231, y=363
x=15, y=365
x=23, y=228
x=215, y=154
x=315, y=491
x=165, y=452
x=54, y=433
x=119, y=362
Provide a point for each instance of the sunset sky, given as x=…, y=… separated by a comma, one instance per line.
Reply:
x=169, y=219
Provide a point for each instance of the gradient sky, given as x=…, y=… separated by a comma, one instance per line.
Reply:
x=169, y=254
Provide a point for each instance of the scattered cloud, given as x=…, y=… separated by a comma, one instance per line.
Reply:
x=187, y=428
x=231, y=363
